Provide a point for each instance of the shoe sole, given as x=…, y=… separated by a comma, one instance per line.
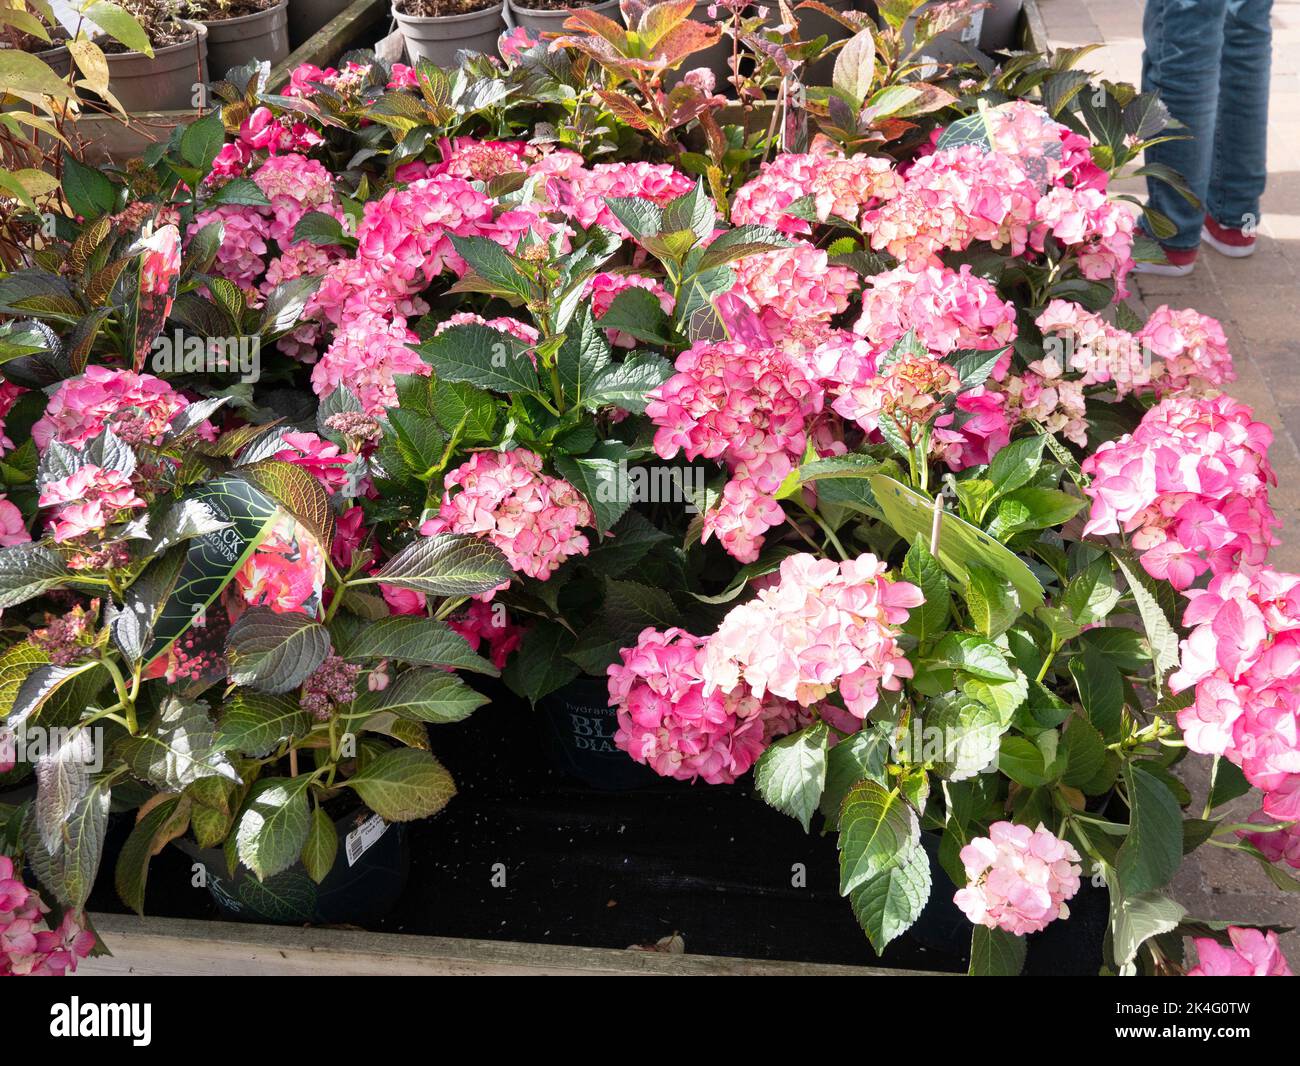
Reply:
x=1232, y=251
x=1164, y=270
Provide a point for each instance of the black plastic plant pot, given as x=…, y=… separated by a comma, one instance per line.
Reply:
x=581, y=726
x=368, y=878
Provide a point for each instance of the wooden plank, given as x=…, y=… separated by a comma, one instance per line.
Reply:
x=176, y=947
x=1032, y=28
x=334, y=38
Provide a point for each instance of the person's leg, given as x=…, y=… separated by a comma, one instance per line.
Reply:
x=1184, y=42
x=1240, y=163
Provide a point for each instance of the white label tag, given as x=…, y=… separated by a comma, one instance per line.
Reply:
x=363, y=837
x=970, y=33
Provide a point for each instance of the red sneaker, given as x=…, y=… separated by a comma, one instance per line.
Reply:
x=1179, y=262
x=1235, y=243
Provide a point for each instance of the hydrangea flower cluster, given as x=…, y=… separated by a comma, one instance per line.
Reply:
x=487, y=626
x=138, y=407
x=794, y=291
x=1189, y=486
x=87, y=501
x=1250, y=953
x=13, y=530
x=603, y=287
x=671, y=721
x=294, y=185
x=1193, y=348
x=830, y=182
x=589, y=188
x=1034, y=179
x=1243, y=657
x=822, y=627
x=1018, y=878
x=747, y=407
x=27, y=946
x=9, y=393
x=1175, y=352
x=945, y=309
x=323, y=459
x=505, y=498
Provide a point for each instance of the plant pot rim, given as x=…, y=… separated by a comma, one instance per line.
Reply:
x=200, y=32
x=238, y=19
x=563, y=12
x=465, y=16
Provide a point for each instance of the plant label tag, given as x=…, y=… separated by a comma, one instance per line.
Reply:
x=970, y=33
x=392, y=49
x=364, y=837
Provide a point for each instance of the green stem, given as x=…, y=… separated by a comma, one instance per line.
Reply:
x=830, y=533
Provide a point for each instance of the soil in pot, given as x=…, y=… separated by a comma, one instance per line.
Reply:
x=241, y=31
x=365, y=883
x=437, y=29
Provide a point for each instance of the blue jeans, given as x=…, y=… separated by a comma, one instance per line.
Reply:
x=1209, y=61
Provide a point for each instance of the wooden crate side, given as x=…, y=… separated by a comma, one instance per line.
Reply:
x=177, y=947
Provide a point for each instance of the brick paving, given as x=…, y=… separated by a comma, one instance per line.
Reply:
x=1258, y=302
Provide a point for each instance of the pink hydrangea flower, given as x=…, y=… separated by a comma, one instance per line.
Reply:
x=505, y=498
x=793, y=289
x=1189, y=486
x=603, y=287
x=949, y=200
x=945, y=309
x=741, y=517
x=589, y=188
x=241, y=256
x=822, y=626
x=87, y=501
x=669, y=720
x=1242, y=655
x=747, y=407
x=488, y=628
x=838, y=185
x=323, y=459
x=976, y=432
x=138, y=407
x=366, y=355
x=1018, y=878
x=28, y=947
x=1251, y=953
x=13, y=530
x=1193, y=348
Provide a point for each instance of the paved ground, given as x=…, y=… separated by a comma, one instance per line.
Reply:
x=1258, y=302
